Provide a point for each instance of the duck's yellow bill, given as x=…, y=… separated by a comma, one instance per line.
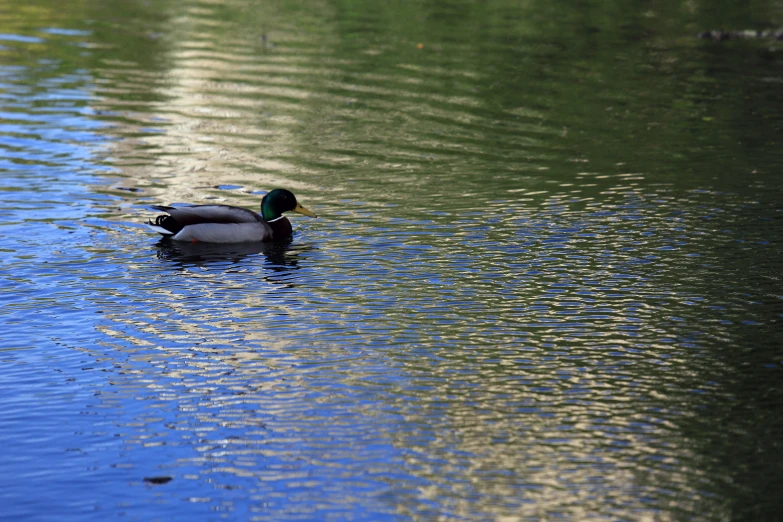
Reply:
x=300, y=209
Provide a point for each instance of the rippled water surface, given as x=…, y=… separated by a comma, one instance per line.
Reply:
x=545, y=283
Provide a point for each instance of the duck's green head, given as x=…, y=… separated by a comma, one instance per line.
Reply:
x=281, y=200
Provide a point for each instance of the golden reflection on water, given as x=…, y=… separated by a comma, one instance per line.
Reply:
x=503, y=314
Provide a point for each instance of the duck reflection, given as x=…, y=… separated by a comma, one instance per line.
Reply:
x=280, y=256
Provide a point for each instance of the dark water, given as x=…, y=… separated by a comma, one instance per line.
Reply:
x=545, y=283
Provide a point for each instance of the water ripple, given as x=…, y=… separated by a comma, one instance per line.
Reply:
x=495, y=317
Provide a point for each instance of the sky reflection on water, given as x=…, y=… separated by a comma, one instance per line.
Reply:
x=530, y=295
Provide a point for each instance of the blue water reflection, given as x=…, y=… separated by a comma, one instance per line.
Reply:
x=541, y=288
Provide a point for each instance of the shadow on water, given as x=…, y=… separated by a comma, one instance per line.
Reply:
x=281, y=256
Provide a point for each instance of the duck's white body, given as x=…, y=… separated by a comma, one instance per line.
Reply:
x=218, y=224
x=220, y=232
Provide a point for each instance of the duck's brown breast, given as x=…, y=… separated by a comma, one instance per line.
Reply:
x=281, y=228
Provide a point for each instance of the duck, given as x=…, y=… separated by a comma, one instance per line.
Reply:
x=229, y=224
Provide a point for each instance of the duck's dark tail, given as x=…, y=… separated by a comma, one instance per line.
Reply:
x=165, y=225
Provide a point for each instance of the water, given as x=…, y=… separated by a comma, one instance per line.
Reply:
x=545, y=282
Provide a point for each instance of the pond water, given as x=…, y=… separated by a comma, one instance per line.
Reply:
x=545, y=280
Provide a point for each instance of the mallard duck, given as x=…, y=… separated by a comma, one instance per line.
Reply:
x=227, y=224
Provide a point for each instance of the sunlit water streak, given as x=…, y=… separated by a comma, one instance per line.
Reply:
x=482, y=325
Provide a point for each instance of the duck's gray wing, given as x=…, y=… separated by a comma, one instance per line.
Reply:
x=225, y=233
x=197, y=214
